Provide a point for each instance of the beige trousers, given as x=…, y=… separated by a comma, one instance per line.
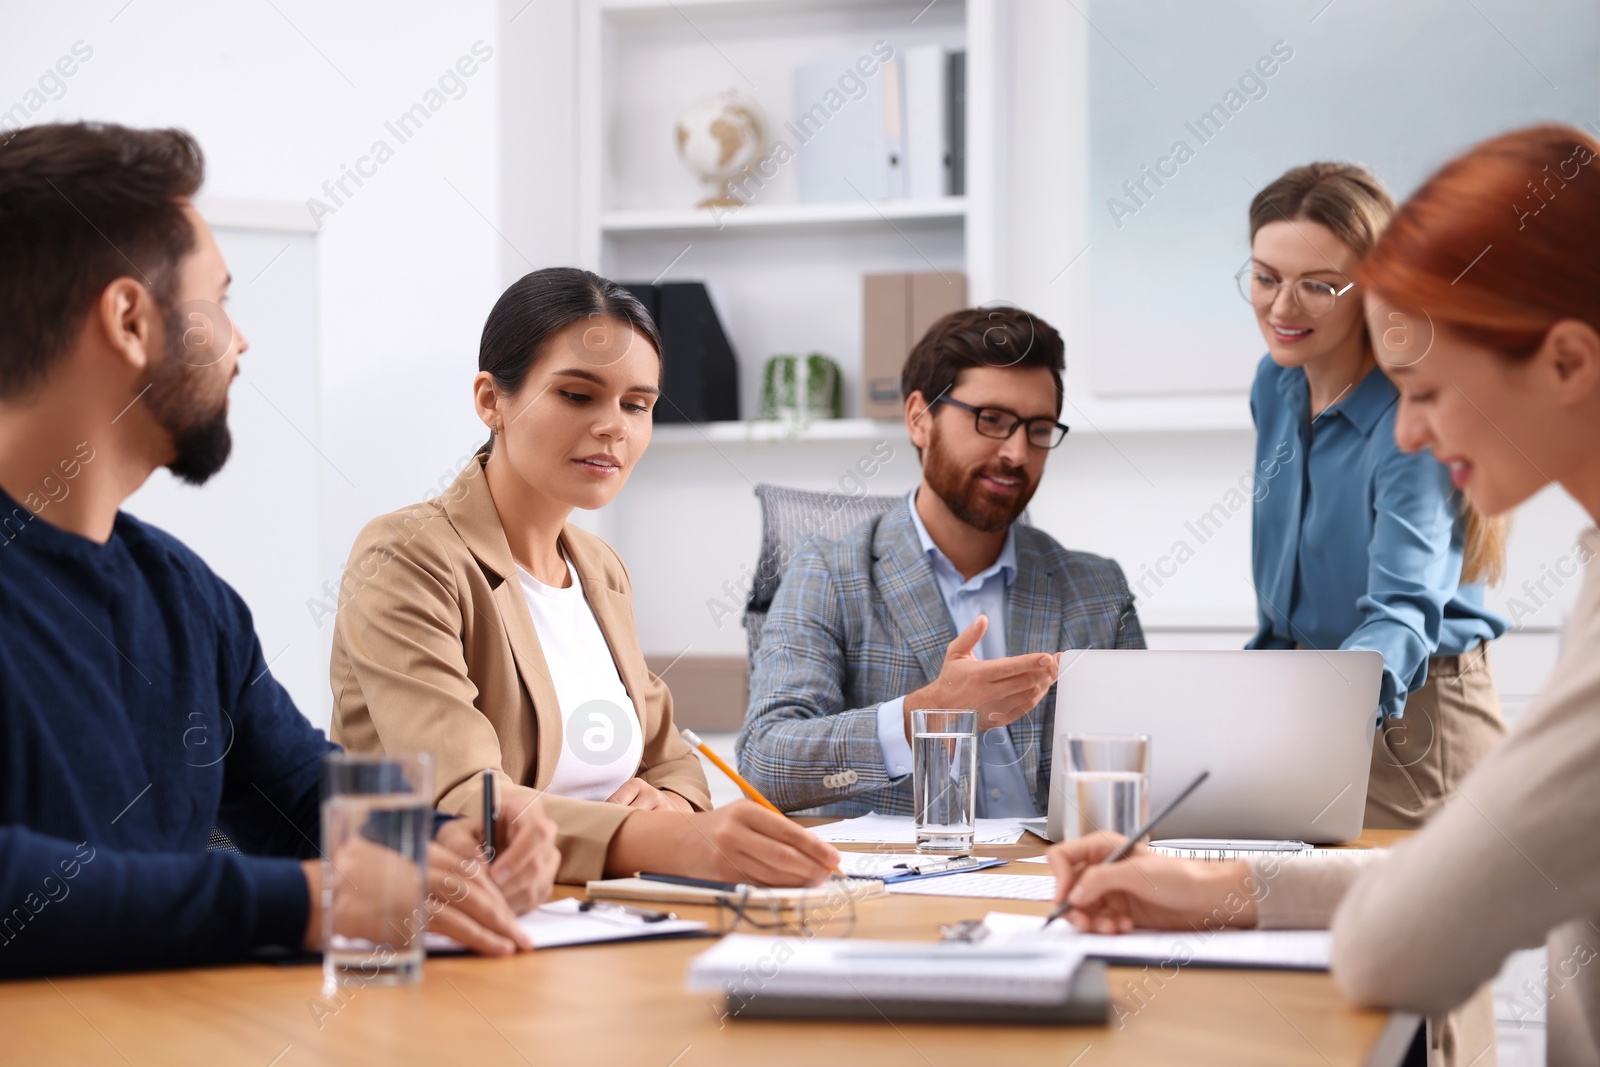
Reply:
x=1465, y=1037
x=1449, y=725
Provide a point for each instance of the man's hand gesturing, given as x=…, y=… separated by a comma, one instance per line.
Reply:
x=1001, y=690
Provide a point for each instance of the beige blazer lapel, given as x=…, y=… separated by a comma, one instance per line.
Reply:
x=474, y=516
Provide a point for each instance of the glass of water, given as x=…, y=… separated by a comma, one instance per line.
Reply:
x=1108, y=783
x=944, y=778
x=377, y=820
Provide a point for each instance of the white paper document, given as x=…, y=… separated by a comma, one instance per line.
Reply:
x=997, y=886
x=873, y=828
x=1296, y=950
x=561, y=923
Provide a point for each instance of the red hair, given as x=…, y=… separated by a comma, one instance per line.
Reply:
x=1501, y=243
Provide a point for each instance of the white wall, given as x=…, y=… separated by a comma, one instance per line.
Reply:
x=256, y=521
x=407, y=269
x=283, y=96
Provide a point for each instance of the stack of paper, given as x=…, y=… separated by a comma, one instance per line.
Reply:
x=744, y=965
x=1294, y=950
x=873, y=828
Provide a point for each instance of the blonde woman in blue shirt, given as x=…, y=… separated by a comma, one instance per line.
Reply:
x=1356, y=544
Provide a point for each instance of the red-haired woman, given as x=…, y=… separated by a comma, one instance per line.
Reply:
x=1487, y=286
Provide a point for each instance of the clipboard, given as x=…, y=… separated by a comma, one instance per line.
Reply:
x=910, y=866
x=563, y=922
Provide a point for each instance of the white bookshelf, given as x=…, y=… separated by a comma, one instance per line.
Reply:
x=785, y=274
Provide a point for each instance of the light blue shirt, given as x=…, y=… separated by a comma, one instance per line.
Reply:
x=1002, y=789
x=1356, y=544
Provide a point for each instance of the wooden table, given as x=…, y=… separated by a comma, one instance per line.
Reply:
x=626, y=1004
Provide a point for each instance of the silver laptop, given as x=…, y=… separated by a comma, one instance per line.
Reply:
x=1286, y=735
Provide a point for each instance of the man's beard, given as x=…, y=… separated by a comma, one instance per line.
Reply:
x=965, y=495
x=200, y=439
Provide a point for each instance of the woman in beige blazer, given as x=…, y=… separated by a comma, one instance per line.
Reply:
x=1491, y=319
x=437, y=646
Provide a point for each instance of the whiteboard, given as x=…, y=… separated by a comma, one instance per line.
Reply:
x=1400, y=87
x=256, y=522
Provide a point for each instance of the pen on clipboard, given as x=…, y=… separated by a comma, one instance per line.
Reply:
x=1127, y=846
x=646, y=915
x=488, y=816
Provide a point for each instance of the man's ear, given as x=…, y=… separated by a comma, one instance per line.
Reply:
x=918, y=415
x=126, y=316
x=1571, y=353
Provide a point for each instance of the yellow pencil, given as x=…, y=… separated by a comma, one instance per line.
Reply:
x=738, y=779
x=749, y=790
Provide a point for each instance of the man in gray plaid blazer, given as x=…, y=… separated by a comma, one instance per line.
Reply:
x=946, y=601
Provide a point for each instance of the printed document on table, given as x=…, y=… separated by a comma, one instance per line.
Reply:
x=873, y=828
x=1293, y=950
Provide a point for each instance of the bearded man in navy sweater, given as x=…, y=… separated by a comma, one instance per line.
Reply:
x=116, y=642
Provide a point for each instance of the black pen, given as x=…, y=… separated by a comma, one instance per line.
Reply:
x=642, y=914
x=1127, y=846
x=488, y=816
x=697, y=883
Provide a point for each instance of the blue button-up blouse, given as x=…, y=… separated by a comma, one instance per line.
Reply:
x=1356, y=544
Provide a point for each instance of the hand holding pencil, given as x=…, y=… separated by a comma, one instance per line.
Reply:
x=722, y=765
x=751, y=791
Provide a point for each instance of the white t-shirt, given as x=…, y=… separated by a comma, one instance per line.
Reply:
x=602, y=742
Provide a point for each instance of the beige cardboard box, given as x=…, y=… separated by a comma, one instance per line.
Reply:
x=897, y=310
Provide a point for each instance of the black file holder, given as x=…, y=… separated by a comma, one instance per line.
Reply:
x=699, y=372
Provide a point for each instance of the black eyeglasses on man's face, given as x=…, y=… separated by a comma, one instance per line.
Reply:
x=1001, y=424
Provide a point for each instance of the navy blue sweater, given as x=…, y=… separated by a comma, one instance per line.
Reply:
x=136, y=713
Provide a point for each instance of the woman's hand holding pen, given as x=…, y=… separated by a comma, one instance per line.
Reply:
x=1146, y=889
